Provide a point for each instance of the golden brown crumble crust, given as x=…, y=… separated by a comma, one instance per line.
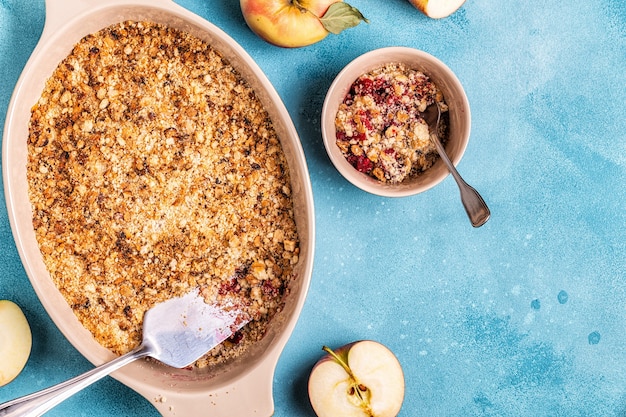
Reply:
x=154, y=169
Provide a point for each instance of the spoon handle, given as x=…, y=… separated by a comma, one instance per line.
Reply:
x=37, y=403
x=475, y=206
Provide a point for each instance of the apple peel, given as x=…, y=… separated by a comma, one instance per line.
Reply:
x=362, y=379
x=437, y=9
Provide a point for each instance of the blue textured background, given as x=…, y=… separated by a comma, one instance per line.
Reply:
x=525, y=316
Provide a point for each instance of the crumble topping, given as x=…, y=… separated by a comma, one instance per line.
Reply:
x=154, y=169
x=380, y=126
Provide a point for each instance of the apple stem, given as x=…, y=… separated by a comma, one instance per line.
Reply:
x=341, y=362
x=300, y=7
x=356, y=388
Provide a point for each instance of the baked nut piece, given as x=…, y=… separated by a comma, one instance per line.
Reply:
x=154, y=169
x=380, y=126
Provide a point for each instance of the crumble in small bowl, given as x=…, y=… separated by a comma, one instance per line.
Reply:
x=373, y=125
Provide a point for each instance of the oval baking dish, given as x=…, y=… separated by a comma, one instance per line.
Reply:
x=239, y=388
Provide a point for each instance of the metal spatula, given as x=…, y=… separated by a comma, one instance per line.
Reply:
x=177, y=332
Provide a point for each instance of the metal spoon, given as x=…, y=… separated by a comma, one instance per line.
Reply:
x=177, y=332
x=475, y=206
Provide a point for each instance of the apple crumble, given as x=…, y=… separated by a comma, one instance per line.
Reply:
x=380, y=126
x=153, y=170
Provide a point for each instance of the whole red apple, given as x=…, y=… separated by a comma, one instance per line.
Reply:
x=296, y=23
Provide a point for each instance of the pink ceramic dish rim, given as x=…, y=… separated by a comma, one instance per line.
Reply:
x=240, y=388
x=441, y=75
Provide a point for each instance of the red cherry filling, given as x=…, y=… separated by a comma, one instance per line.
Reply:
x=236, y=337
x=362, y=163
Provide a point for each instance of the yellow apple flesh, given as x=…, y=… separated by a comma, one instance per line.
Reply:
x=15, y=341
x=437, y=9
x=362, y=379
x=287, y=23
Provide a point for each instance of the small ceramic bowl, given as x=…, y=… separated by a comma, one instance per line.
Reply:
x=454, y=95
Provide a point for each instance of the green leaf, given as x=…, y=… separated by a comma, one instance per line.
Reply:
x=340, y=16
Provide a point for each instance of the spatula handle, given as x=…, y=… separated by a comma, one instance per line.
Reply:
x=37, y=403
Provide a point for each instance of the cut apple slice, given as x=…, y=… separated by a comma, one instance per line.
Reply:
x=362, y=379
x=15, y=341
x=437, y=9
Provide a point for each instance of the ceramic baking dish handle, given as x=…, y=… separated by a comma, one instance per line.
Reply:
x=249, y=396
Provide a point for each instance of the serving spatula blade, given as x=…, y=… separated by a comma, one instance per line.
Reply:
x=181, y=330
x=177, y=332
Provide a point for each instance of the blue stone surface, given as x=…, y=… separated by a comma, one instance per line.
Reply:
x=525, y=316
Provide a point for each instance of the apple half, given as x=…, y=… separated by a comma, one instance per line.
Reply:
x=15, y=341
x=361, y=379
x=437, y=9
